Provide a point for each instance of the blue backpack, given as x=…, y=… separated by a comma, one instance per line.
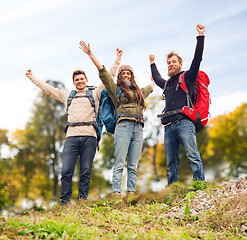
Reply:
x=106, y=114
x=107, y=111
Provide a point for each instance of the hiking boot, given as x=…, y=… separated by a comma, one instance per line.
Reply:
x=63, y=203
x=82, y=198
x=131, y=193
x=116, y=193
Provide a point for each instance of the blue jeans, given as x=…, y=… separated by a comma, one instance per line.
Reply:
x=85, y=147
x=182, y=132
x=128, y=139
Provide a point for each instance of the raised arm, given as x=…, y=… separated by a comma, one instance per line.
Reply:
x=60, y=95
x=152, y=83
x=87, y=50
x=195, y=65
x=116, y=63
x=155, y=73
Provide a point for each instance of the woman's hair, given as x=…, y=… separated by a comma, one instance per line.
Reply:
x=134, y=87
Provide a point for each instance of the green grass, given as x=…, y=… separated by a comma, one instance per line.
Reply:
x=143, y=216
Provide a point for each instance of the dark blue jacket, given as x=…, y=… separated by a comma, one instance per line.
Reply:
x=177, y=99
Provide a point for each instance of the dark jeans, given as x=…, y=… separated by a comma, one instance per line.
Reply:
x=182, y=132
x=85, y=147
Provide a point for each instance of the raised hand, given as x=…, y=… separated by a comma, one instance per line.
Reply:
x=200, y=29
x=86, y=48
x=29, y=73
x=119, y=52
x=151, y=58
x=152, y=84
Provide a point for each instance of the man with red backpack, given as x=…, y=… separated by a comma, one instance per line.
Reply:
x=178, y=124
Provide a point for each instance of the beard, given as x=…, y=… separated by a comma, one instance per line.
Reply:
x=174, y=71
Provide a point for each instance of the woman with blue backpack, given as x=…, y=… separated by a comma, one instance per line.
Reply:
x=128, y=135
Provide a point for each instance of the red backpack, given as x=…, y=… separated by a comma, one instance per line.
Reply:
x=198, y=112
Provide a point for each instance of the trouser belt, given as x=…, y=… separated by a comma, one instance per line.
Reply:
x=76, y=124
x=169, y=113
x=137, y=117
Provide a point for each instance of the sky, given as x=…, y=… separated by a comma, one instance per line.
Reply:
x=44, y=36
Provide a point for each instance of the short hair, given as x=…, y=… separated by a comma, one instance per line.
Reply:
x=171, y=54
x=78, y=72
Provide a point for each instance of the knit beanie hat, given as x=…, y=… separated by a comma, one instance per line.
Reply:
x=125, y=67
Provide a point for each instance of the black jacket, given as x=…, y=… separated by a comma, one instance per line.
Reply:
x=176, y=99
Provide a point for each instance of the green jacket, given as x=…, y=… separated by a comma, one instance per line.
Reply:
x=124, y=106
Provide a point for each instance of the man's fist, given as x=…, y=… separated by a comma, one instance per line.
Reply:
x=29, y=73
x=200, y=29
x=119, y=52
x=151, y=58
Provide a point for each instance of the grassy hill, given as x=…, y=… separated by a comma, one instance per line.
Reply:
x=200, y=211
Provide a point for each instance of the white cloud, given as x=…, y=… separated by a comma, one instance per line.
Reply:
x=227, y=10
x=16, y=103
x=227, y=103
x=27, y=9
x=44, y=36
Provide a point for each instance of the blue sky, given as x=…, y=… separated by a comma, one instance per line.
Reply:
x=44, y=36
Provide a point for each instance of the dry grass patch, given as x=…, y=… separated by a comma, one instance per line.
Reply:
x=159, y=215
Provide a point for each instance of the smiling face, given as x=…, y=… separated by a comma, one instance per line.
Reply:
x=80, y=81
x=126, y=74
x=174, y=66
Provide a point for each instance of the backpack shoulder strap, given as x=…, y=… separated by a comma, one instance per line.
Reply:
x=91, y=99
x=118, y=92
x=70, y=98
x=182, y=84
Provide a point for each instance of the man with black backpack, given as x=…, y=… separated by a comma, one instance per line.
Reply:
x=179, y=128
x=81, y=128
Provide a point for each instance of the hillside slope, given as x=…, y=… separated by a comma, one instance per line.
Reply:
x=200, y=211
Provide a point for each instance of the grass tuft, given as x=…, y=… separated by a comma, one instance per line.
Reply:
x=167, y=214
